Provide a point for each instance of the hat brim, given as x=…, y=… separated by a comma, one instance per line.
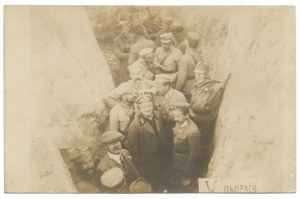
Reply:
x=112, y=140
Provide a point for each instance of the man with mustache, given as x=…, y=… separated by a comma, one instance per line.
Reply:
x=85, y=176
x=116, y=156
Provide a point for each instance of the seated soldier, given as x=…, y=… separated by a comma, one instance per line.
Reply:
x=184, y=169
x=116, y=156
x=145, y=62
x=85, y=176
x=136, y=83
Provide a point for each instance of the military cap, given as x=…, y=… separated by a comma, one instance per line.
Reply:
x=122, y=23
x=163, y=79
x=193, y=36
x=112, y=177
x=144, y=98
x=140, y=185
x=110, y=136
x=176, y=28
x=166, y=38
x=180, y=106
x=168, y=20
x=146, y=52
x=201, y=67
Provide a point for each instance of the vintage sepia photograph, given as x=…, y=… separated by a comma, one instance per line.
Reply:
x=149, y=99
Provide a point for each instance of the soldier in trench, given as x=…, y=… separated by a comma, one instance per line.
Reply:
x=206, y=98
x=86, y=178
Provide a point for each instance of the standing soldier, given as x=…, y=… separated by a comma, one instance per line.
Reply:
x=166, y=58
x=206, y=98
x=164, y=98
x=186, y=75
x=145, y=62
x=166, y=24
x=116, y=156
x=145, y=141
x=122, y=45
x=136, y=84
x=184, y=170
x=152, y=24
x=180, y=41
x=141, y=42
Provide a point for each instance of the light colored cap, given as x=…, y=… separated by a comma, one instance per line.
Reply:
x=193, y=36
x=166, y=38
x=168, y=20
x=140, y=185
x=112, y=177
x=146, y=52
x=110, y=136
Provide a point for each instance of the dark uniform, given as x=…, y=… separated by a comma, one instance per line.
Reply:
x=146, y=142
x=122, y=45
x=186, y=155
x=205, y=103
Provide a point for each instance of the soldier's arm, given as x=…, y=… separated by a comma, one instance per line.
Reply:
x=182, y=74
x=117, y=51
x=195, y=150
x=114, y=119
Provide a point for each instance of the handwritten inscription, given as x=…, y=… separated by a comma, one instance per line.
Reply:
x=227, y=186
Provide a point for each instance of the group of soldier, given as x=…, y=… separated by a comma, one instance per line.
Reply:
x=161, y=116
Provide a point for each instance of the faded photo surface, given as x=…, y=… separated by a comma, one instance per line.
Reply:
x=150, y=99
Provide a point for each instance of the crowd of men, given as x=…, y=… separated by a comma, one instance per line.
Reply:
x=161, y=116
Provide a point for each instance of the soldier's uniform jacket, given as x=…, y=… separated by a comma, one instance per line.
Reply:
x=163, y=103
x=206, y=99
x=122, y=45
x=137, y=46
x=171, y=63
x=147, y=69
x=186, y=74
x=125, y=164
x=187, y=149
x=113, y=97
x=120, y=117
